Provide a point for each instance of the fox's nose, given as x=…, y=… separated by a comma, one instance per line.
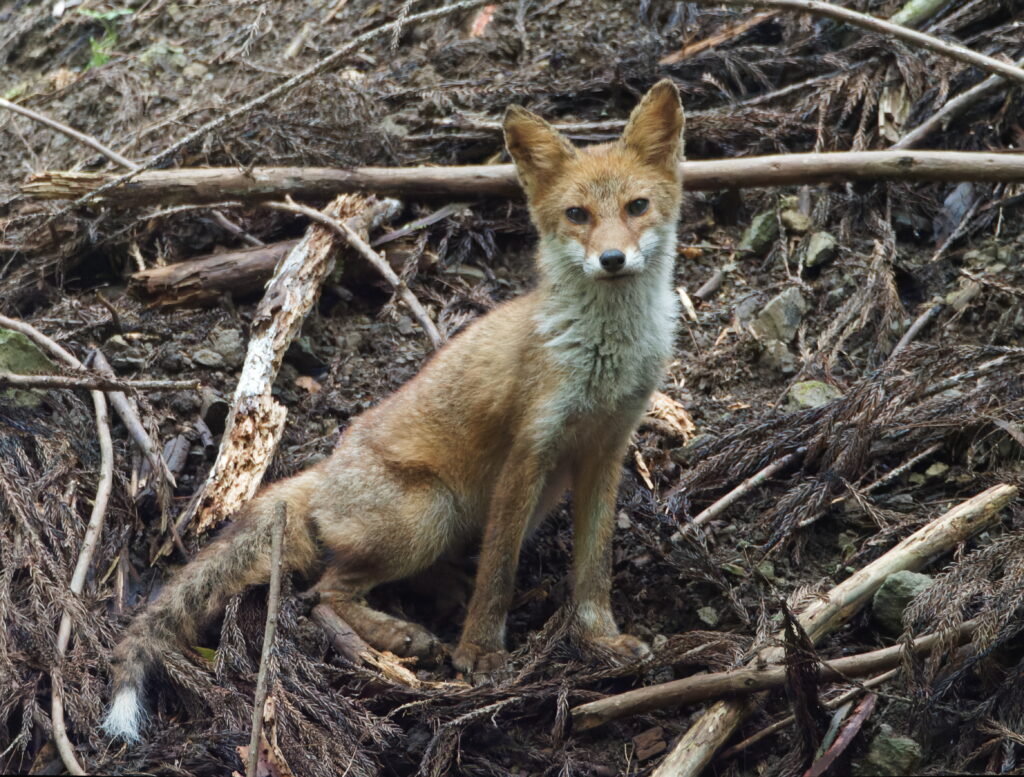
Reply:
x=613, y=260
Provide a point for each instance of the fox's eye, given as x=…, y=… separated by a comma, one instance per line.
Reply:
x=637, y=207
x=577, y=215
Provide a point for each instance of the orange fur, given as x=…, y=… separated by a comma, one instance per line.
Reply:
x=540, y=395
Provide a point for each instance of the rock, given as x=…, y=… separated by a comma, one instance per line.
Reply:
x=893, y=596
x=195, y=70
x=20, y=355
x=812, y=393
x=208, y=358
x=779, y=319
x=229, y=345
x=708, y=615
x=889, y=754
x=124, y=355
x=961, y=298
x=795, y=221
x=821, y=247
x=761, y=233
x=777, y=355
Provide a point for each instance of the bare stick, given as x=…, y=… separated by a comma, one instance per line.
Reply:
x=789, y=720
x=920, y=323
x=129, y=414
x=951, y=110
x=216, y=184
x=114, y=157
x=920, y=39
x=273, y=604
x=701, y=687
x=710, y=286
x=81, y=137
x=375, y=259
x=91, y=538
x=93, y=383
x=282, y=88
x=698, y=745
x=753, y=481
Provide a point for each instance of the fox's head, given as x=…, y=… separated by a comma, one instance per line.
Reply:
x=606, y=212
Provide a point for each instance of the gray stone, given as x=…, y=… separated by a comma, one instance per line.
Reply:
x=812, y=393
x=229, y=345
x=889, y=754
x=820, y=248
x=779, y=319
x=893, y=596
x=761, y=233
x=124, y=355
x=708, y=616
x=208, y=358
x=795, y=221
x=21, y=356
x=778, y=356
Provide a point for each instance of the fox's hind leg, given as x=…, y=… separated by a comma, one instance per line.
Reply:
x=380, y=630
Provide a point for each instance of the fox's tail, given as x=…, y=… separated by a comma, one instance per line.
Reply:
x=199, y=591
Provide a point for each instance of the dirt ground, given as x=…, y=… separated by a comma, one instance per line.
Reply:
x=793, y=354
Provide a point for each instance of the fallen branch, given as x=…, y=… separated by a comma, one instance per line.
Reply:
x=848, y=734
x=915, y=329
x=729, y=33
x=256, y=420
x=89, y=541
x=702, y=687
x=129, y=414
x=920, y=39
x=215, y=184
x=750, y=483
x=376, y=260
x=698, y=745
x=114, y=157
x=273, y=604
x=93, y=383
x=789, y=720
x=204, y=280
x=951, y=110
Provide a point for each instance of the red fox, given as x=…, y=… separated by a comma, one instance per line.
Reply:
x=539, y=395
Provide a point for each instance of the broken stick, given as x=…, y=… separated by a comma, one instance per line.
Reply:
x=698, y=745
x=256, y=420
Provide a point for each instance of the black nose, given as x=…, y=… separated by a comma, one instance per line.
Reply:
x=613, y=260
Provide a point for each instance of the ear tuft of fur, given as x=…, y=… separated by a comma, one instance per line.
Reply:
x=655, y=128
x=538, y=149
x=125, y=718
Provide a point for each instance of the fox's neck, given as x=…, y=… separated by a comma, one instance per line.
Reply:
x=612, y=337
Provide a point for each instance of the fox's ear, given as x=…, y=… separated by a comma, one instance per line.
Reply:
x=537, y=148
x=655, y=128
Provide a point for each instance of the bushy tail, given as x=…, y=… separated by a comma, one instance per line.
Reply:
x=239, y=558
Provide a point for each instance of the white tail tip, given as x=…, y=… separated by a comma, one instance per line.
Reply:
x=126, y=716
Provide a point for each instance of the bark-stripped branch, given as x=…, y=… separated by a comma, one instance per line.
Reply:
x=215, y=184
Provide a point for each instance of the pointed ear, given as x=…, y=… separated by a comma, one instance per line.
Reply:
x=655, y=128
x=537, y=148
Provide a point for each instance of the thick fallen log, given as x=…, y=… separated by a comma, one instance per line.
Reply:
x=203, y=280
x=216, y=184
x=743, y=681
x=698, y=745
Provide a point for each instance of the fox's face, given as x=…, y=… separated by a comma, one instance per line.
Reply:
x=605, y=211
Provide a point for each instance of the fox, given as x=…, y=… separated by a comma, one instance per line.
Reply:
x=539, y=396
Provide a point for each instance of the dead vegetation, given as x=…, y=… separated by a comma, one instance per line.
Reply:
x=902, y=428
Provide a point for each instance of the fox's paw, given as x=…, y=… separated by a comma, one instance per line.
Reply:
x=473, y=660
x=621, y=646
x=404, y=639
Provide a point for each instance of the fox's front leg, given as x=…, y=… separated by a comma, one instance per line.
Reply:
x=516, y=496
x=596, y=478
